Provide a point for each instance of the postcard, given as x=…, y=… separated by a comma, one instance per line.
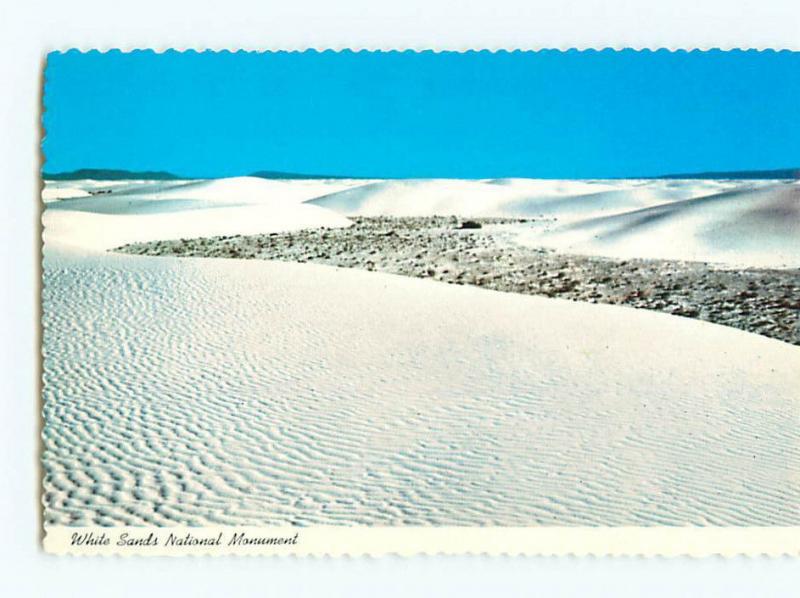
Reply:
x=345, y=303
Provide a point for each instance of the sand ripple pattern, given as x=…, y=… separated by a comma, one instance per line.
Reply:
x=203, y=391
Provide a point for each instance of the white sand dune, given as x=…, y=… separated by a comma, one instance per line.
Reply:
x=56, y=190
x=207, y=391
x=242, y=189
x=511, y=197
x=750, y=226
x=233, y=189
x=202, y=391
x=430, y=197
x=149, y=211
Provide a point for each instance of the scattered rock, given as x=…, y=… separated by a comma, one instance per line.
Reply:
x=470, y=224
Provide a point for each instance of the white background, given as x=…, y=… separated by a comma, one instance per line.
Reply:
x=28, y=30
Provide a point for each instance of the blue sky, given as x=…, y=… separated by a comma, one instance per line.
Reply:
x=402, y=114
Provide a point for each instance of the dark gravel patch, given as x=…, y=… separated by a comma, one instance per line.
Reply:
x=763, y=301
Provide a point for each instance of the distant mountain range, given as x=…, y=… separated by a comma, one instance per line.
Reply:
x=782, y=173
x=101, y=174
x=104, y=174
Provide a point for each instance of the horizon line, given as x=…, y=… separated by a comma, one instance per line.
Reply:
x=121, y=174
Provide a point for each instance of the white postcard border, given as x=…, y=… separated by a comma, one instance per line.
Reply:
x=413, y=540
